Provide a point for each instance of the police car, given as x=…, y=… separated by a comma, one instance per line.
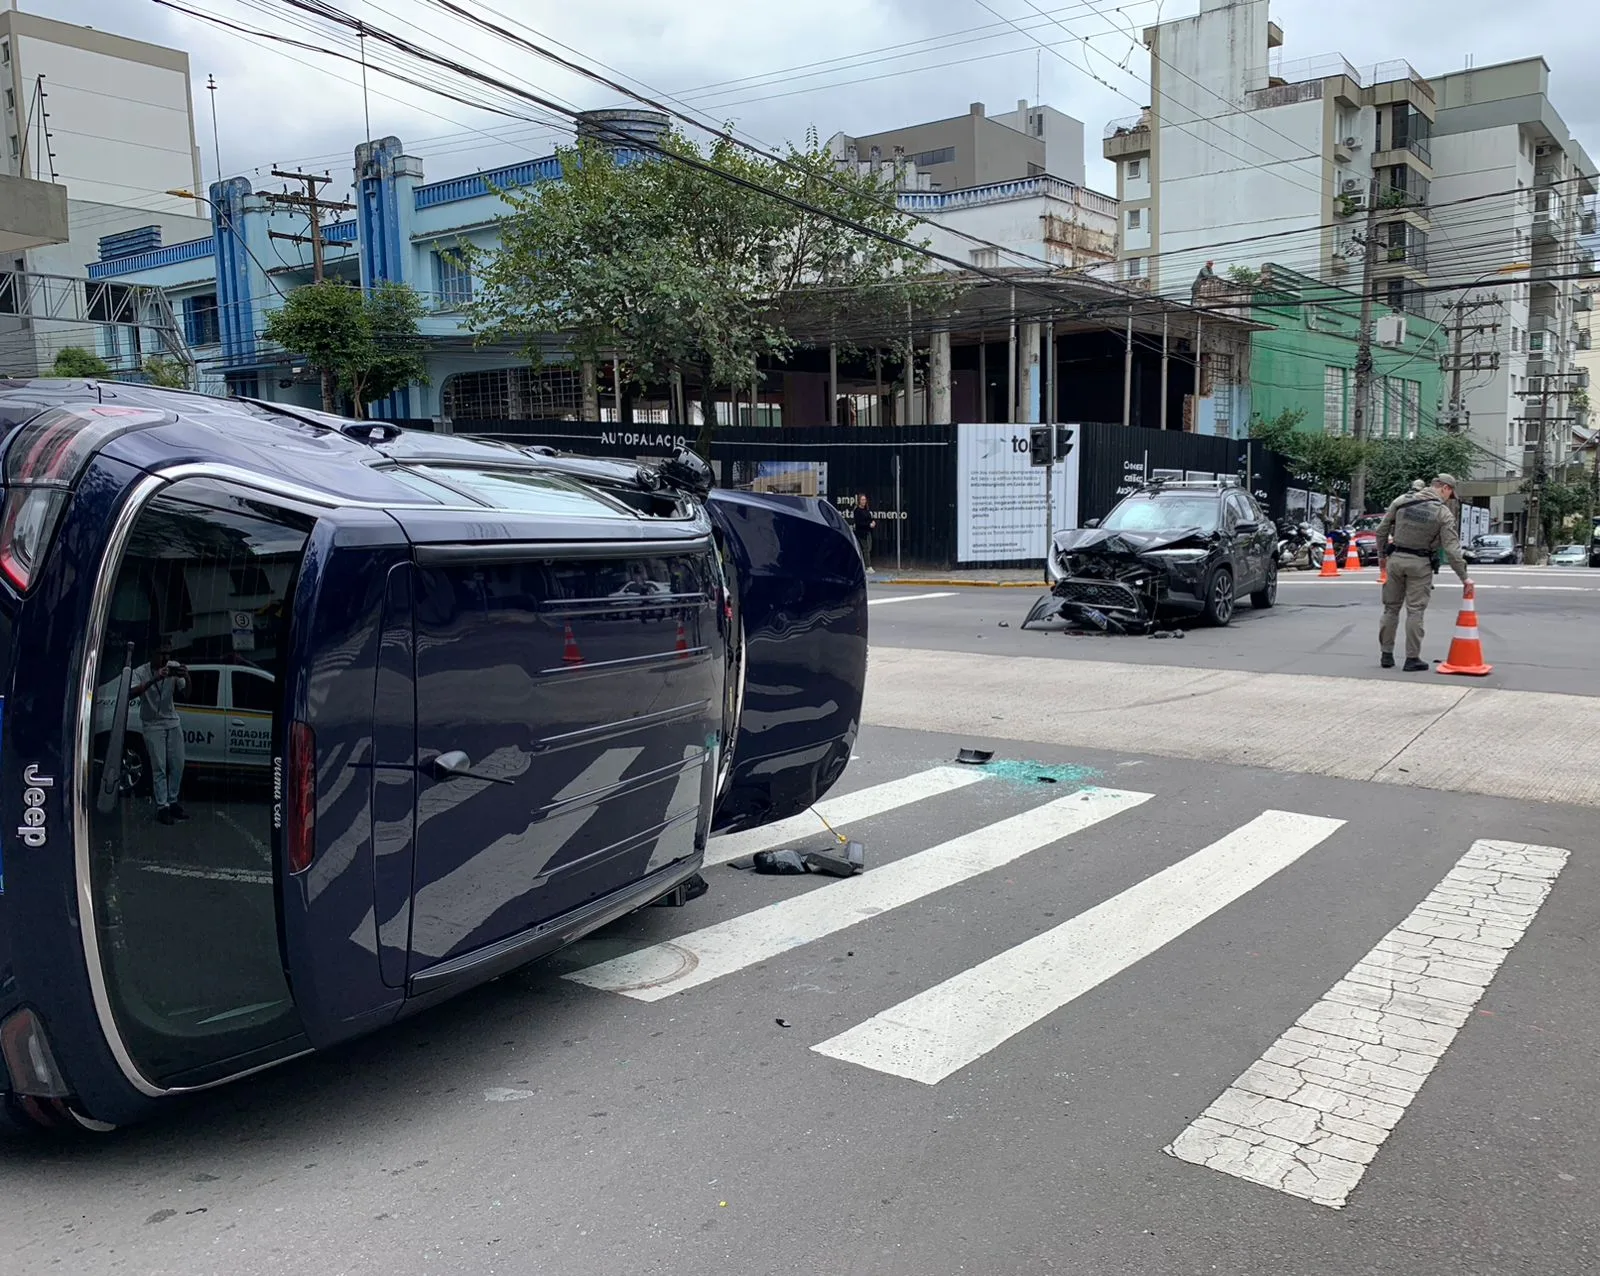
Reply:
x=226, y=715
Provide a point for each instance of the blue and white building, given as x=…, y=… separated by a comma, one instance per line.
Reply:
x=409, y=230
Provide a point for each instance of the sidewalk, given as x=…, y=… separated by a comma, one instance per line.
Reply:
x=965, y=577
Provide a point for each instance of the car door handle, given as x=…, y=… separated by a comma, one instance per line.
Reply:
x=456, y=765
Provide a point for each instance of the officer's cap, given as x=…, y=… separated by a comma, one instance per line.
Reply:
x=1444, y=480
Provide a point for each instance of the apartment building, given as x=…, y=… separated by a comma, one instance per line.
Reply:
x=1511, y=205
x=1243, y=156
x=977, y=149
x=106, y=124
x=994, y=191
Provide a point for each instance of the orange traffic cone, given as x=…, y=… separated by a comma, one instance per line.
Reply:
x=1352, y=558
x=683, y=643
x=1330, y=561
x=1466, y=652
x=569, y=651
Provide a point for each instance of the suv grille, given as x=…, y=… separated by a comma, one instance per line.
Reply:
x=1098, y=593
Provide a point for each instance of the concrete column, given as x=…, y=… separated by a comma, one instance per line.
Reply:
x=1029, y=369
x=591, y=391
x=939, y=378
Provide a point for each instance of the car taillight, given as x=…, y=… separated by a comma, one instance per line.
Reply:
x=43, y=461
x=302, y=823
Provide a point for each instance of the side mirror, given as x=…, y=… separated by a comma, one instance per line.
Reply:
x=1091, y=522
x=1247, y=528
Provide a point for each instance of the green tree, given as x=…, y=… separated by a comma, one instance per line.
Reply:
x=75, y=361
x=673, y=269
x=1558, y=502
x=1392, y=464
x=368, y=344
x=167, y=373
x=1282, y=434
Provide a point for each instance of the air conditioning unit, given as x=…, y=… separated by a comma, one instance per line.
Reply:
x=1352, y=185
x=1352, y=143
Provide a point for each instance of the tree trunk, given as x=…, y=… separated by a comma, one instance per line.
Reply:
x=328, y=403
x=708, y=411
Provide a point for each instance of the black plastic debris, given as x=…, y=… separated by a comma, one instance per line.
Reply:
x=839, y=861
x=1045, y=779
x=780, y=863
x=783, y=1023
x=683, y=892
x=975, y=757
x=1005, y=624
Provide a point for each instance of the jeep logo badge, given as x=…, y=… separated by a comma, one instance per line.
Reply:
x=32, y=829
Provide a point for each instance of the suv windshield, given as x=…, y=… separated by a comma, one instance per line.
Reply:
x=1164, y=512
x=1494, y=542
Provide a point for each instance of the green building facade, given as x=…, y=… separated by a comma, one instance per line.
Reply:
x=1307, y=361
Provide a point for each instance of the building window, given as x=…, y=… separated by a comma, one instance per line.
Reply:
x=11, y=100
x=986, y=258
x=1334, y=400
x=1135, y=267
x=1135, y=167
x=5, y=52
x=200, y=326
x=455, y=281
x=1135, y=218
x=15, y=149
x=944, y=155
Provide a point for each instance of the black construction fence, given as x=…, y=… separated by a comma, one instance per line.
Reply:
x=913, y=476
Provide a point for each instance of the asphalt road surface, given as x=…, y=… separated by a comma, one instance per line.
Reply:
x=1150, y=1018
x=1127, y=1008
x=1540, y=628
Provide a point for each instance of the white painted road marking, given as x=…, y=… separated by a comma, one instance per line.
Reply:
x=1310, y=1115
x=863, y=804
x=942, y=1030
x=906, y=598
x=654, y=973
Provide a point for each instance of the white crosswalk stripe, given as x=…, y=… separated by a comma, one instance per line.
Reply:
x=848, y=808
x=942, y=1030
x=664, y=969
x=1305, y=1119
x=1310, y=1115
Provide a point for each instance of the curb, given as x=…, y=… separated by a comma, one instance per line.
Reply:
x=962, y=584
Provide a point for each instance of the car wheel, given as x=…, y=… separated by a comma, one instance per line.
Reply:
x=1219, y=597
x=1264, y=597
x=135, y=769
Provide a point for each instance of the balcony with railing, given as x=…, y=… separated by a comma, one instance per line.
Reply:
x=1127, y=136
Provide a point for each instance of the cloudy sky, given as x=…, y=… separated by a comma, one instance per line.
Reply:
x=774, y=67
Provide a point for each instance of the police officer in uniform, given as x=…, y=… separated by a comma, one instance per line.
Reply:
x=1423, y=526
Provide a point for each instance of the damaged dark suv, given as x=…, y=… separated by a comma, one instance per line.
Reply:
x=1166, y=550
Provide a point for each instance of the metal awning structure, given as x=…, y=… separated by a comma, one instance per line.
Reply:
x=973, y=304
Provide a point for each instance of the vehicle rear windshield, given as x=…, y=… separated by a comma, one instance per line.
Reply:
x=182, y=847
x=1494, y=542
x=1163, y=512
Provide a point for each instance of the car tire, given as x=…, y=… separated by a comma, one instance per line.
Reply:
x=1267, y=595
x=1220, y=601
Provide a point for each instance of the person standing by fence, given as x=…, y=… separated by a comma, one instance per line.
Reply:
x=864, y=525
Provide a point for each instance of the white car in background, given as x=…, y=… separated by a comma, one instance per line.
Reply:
x=1570, y=556
x=226, y=716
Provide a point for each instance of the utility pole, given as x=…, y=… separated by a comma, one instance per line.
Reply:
x=1358, y=418
x=313, y=205
x=1532, y=532
x=1457, y=361
x=1127, y=373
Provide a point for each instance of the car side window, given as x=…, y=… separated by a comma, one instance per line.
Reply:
x=202, y=692
x=1230, y=513
x=252, y=692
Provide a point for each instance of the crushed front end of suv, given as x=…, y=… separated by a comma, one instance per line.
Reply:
x=1167, y=550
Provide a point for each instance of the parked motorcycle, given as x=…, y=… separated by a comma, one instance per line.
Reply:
x=1299, y=545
